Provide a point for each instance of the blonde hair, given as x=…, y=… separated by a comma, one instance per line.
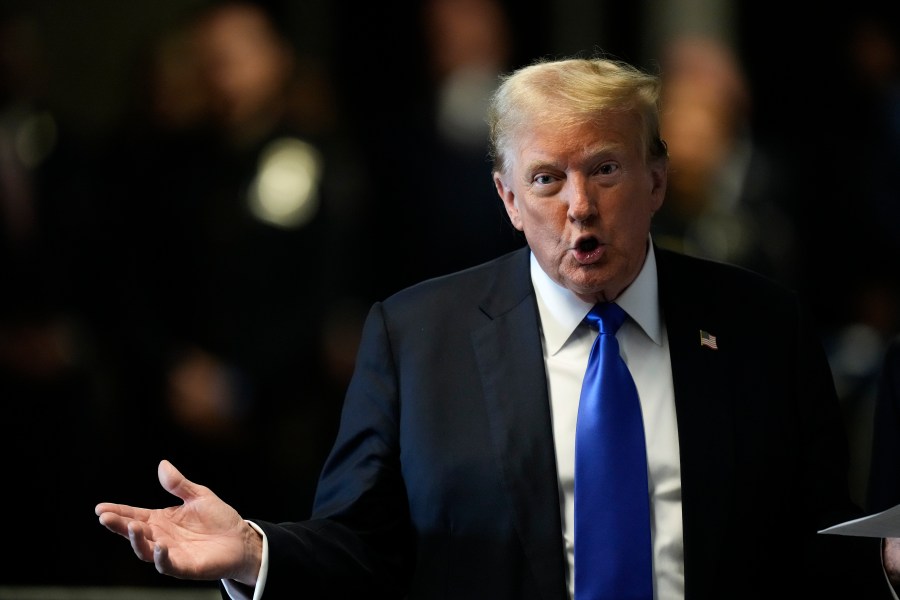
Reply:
x=572, y=91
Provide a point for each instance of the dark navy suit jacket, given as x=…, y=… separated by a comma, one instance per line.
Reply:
x=884, y=477
x=442, y=482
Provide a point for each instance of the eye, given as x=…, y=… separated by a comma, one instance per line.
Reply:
x=607, y=168
x=545, y=184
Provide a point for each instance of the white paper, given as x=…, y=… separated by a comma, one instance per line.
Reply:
x=881, y=525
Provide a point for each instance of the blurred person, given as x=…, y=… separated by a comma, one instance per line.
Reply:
x=872, y=94
x=33, y=156
x=48, y=369
x=454, y=471
x=468, y=46
x=859, y=328
x=729, y=196
x=459, y=50
x=232, y=222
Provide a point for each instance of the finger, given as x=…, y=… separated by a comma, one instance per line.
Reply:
x=116, y=517
x=175, y=483
x=142, y=545
x=115, y=523
x=123, y=510
x=161, y=560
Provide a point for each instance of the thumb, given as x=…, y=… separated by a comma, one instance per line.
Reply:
x=174, y=482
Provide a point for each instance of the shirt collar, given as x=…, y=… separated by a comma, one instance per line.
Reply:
x=562, y=311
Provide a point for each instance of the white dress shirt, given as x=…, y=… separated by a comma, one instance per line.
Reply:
x=645, y=349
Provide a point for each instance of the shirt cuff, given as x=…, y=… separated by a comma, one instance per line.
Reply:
x=239, y=591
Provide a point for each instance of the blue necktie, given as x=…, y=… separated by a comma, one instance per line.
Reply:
x=613, y=556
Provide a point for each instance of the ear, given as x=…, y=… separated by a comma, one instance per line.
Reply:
x=509, y=200
x=659, y=174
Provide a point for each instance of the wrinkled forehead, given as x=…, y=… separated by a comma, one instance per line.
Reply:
x=573, y=132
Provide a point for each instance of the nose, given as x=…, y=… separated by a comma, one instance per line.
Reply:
x=582, y=204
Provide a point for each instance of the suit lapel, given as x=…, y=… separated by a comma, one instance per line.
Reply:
x=510, y=358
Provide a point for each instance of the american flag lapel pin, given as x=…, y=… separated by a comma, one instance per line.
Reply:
x=709, y=340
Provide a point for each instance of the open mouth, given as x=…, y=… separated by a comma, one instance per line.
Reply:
x=588, y=250
x=587, y=245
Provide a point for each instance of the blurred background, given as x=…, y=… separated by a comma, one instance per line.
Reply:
x=199, y=201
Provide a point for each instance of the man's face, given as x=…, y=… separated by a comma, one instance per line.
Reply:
x=584, y=198
x=246, y=65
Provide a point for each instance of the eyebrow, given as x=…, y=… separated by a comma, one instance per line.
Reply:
x=598, y=152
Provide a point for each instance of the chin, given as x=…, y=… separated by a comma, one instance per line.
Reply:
x=593, y=286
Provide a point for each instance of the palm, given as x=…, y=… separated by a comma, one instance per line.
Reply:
x=203, y=538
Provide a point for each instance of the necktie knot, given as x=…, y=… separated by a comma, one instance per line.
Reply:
x=607, y=317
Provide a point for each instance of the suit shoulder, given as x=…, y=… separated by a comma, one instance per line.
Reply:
x=712, y=278
x=471, y=283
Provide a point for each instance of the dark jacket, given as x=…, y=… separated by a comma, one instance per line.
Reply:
x=443, y=483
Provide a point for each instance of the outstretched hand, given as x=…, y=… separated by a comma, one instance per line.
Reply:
x=203, y=538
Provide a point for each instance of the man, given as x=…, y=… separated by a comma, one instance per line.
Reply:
x=453, y=472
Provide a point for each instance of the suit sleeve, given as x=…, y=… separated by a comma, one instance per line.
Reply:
x=840, y=566
x=884, y=475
